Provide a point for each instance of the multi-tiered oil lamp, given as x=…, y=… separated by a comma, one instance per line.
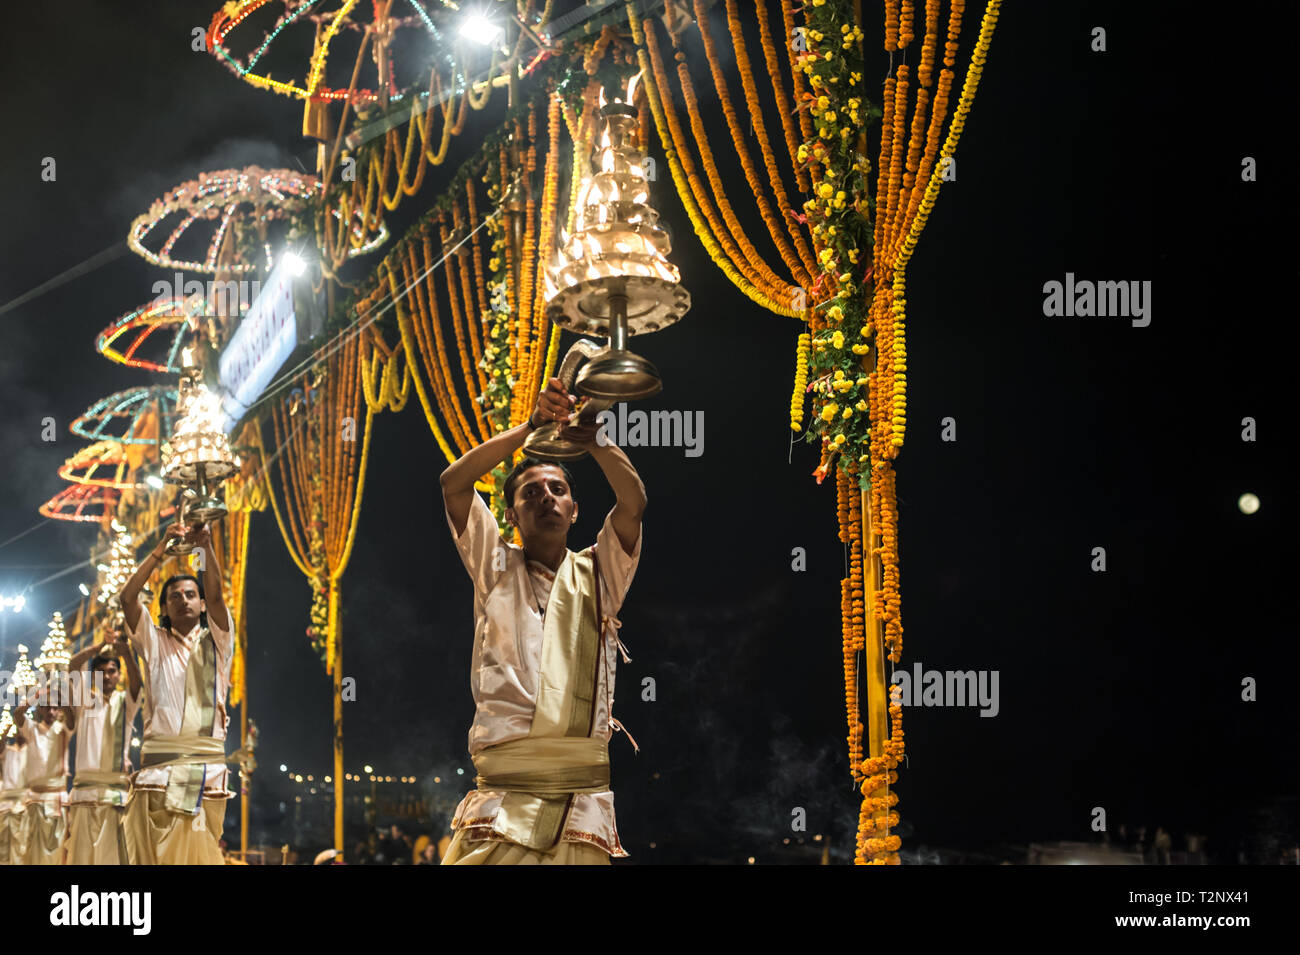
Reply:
x=198, y=455
x=612, y=277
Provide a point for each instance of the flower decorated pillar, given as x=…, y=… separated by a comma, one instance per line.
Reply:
x=322, y=467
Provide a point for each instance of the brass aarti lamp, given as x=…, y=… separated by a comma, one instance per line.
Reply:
x=197, y=456
x=612, y=277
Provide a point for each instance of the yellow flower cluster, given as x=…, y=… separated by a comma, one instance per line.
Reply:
x=837, y=212
x=800, y=382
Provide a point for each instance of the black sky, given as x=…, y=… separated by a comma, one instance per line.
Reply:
x=1119, y=690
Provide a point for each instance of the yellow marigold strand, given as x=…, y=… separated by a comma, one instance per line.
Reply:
x=529, y=361
x=681, y=180
x=546, y=242
x=480, y=284
x=783, y=108
x=856, y=622
x=778, y=226
x=458, y=269
x=899, y=144
x=899, y=306
x=800, y=381
x=439, y=372
x=882, y=164
x=775, y=285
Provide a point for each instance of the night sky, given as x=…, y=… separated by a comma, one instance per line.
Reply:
x=1119, y=689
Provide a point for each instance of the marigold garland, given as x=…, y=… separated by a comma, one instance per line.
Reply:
x=800, y=381
x=684, y=175
x=322, y=476
x=858, y=337
x=780, y=231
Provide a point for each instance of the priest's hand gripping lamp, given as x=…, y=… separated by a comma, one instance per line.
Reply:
x=547, y=441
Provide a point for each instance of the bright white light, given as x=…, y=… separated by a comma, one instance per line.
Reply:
x=368, y=768
x=1248, y=503
x=19, y=602
x=294, y=263
x=480, y=30
x=284, y=768
x=154, y=481
x=85, y=591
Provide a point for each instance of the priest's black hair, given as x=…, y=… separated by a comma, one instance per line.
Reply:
x=518, y=470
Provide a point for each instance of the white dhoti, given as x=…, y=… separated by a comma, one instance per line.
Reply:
x=43, y=826
x=12, y=847
x=500, y=852
x=156, y=835
x=96, y=835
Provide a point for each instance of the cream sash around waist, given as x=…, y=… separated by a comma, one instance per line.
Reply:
x=112, y=787
x=184, y=790
x=547, y=767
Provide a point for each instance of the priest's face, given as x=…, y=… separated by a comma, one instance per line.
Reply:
x=183, y=604
x=543, y=504
x=110, y=677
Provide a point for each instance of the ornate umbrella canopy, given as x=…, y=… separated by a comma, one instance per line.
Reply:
x=253, y=195
x=151, y=336
x=134, y=416
x=332, y=21
x=81, y=502
x=102, y=464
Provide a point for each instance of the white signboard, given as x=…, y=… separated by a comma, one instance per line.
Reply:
x=265, y=339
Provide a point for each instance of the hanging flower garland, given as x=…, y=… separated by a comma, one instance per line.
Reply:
x=839, y=214
x=800, y=381
x=496, y=318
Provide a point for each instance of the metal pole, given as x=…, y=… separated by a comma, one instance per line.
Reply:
x=338, y=715
x=246, y=779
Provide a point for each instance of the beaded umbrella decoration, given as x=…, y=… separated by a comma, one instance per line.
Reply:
x=256, y=194
x=125, y=340
x=82, y=502
x=102, y=464
x=329, y=25
x=123, y=416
